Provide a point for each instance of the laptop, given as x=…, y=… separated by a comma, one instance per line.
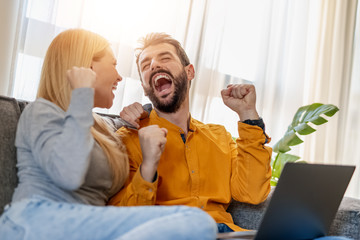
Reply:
x=303, y=204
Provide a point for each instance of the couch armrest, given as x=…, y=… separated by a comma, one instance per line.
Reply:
x=10, y=110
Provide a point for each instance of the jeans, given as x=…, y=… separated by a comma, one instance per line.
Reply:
x=39, y=218
x=223, y=228
x=332, y=238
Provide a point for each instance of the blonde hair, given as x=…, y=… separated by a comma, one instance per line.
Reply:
x=78, y=47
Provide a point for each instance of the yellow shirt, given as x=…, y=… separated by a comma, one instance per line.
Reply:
x=206, y=171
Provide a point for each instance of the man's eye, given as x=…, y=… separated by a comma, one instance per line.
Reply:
x=145, y=67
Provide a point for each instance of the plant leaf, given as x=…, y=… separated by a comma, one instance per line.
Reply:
x=304, y=129
x=280, y=161
x=316, y=109
x=305, y=114
x=290, y=139
x=273, y=182
x=319, y=121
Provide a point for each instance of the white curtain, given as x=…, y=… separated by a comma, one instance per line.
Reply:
x=349, y=142
x=296, y=52
x=122, y=22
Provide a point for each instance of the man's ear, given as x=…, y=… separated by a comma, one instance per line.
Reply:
x=143, y=88
x=190, y=72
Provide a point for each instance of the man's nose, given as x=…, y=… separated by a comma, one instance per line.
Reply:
x=155, y=65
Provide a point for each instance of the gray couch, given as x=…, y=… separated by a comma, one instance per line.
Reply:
x=346, y=222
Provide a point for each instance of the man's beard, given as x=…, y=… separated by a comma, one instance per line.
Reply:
x=180, y=86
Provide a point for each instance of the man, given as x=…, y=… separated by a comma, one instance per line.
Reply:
x=200, y=164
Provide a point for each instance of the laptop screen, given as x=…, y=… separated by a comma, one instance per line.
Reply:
x=305, y=201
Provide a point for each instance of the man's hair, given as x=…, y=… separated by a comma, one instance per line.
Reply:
x=152, y=39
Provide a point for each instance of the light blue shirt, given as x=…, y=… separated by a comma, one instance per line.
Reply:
x=57, y=155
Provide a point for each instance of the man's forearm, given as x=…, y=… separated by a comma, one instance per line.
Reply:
x=251, y=174
x=137, y=192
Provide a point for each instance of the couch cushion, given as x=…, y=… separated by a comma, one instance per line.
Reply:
x=347, y=219
x=10, y=110
x=248, y=216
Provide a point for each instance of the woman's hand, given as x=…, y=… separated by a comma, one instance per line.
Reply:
x=81, y=77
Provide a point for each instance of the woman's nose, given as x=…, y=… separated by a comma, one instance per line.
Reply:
x=119, y=78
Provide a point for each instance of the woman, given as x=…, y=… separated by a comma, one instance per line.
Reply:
x=70, y=162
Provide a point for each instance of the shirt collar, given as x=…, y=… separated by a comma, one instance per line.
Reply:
x=155, y=119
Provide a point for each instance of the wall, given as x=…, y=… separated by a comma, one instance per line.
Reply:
x=8, y=19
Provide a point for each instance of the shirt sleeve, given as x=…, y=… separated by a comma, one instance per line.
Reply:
x=136, y=191
x=60, y=142
x=251, y=171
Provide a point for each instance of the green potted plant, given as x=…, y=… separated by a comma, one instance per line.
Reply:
x=299, y=126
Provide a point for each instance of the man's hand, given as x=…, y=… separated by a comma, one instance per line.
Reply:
x=133, y=113
x=241, y=98
x=81, y=77
x=152, y=141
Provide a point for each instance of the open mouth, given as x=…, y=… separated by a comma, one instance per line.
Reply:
x=162, y=83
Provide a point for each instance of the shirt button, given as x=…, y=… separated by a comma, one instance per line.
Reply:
x=192, y=171
x=202, y=207
x=150, y=190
